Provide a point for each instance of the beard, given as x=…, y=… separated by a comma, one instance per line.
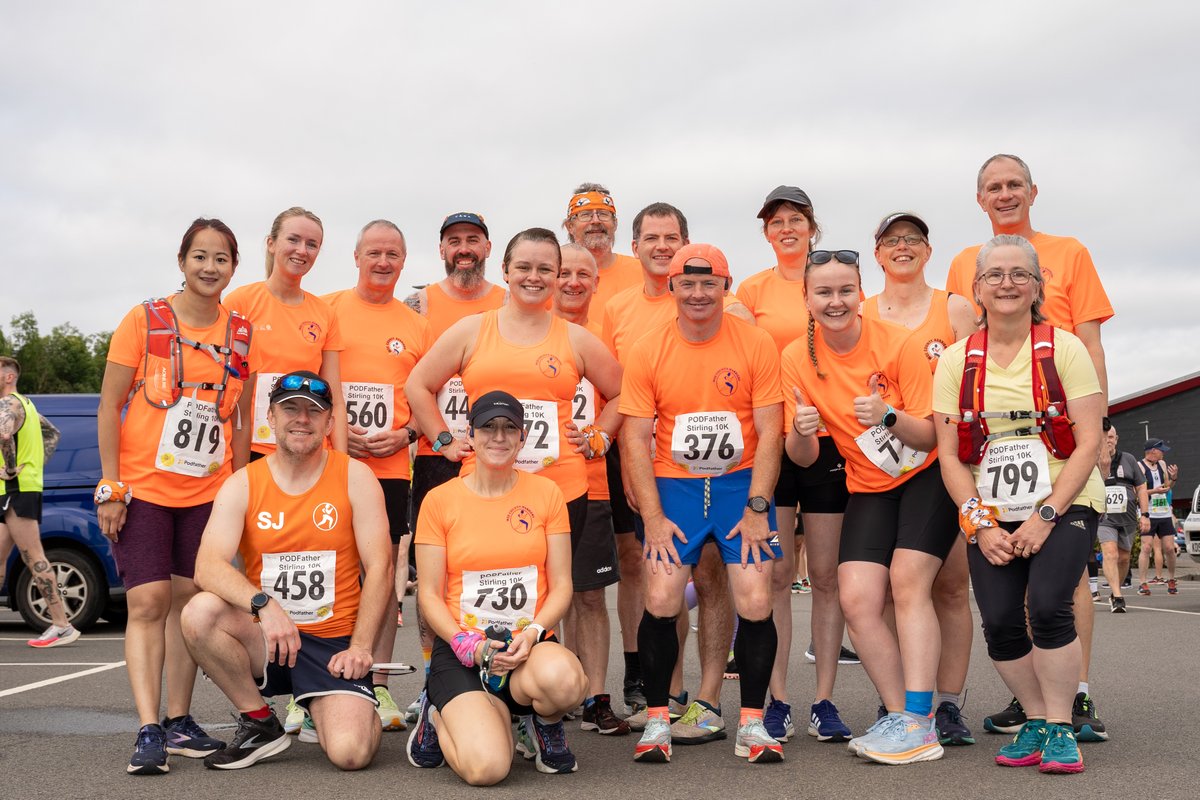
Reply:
x=597, y=239
x=466, y=279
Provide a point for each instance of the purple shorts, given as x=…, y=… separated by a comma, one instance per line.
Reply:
x=158, y=542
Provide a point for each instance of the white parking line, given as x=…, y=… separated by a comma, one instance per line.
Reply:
x=54, y=663
x=49, y=682
x=85, y=638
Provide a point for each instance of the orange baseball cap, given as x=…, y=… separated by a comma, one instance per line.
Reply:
x=718, y=265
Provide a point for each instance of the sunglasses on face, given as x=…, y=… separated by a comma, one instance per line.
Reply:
x=841, y=256
x=315, y=385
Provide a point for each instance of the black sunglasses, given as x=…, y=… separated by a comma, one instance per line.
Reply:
x=825, y=256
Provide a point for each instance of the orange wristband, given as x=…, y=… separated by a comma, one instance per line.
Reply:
x=112, y=492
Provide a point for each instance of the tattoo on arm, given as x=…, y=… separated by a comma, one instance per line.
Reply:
x=50, y=437
x=41, y=566
x=12, y=417
x=413, y=301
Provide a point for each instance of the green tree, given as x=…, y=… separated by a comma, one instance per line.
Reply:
x=63, y=361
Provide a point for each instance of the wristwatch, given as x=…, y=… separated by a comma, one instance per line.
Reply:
x=258, y=603
x=889, y=417
x=444, y=438
x=758, y=505
x=412, y=433
x=1146, y=514
x=1048, y=513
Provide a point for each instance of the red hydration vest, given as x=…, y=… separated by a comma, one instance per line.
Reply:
x=1049, y=416
x=164, y=382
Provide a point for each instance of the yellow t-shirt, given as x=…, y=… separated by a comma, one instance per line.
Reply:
x=1011, y=389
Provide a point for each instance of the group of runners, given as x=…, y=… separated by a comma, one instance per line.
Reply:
x=606, y=419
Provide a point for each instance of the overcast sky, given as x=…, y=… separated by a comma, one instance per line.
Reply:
x=120, y=123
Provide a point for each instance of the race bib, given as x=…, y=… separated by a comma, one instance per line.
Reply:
x=1014, y=477
x=452, y=403
x=370, y=405
x=505, y=597
x=193, y=439
x=583, y=405
x=887, y=452
x=707, y=443
x=1116, y=499
x=302, y=583
x=262, y=401
x=541, y=435
x=1159, y=506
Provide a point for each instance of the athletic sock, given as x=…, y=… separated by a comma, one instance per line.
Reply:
x=918, y=704
x=659, y=643
x=754, y=650
x=1083, y=687
x=947, y=697
x=588, y=702
x=749, y=714
x=260, y=713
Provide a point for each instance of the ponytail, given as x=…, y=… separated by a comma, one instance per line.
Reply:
x=812, y=346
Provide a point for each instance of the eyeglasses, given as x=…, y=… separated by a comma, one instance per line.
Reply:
x=1019, y=277
x=586, y=216
x=315, y=385
x=912, y=240
x=825, y=256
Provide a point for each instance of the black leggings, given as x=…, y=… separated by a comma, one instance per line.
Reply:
x=1048, y=579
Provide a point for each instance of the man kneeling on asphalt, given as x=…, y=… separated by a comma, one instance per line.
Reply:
x=306, y=521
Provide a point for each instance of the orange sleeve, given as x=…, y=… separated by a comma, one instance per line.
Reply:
x=915, y=378
x=431, y=526
x=637, y=386
x=128, y=344
x=767, y=386
x=962, y=276
x=1089, y=302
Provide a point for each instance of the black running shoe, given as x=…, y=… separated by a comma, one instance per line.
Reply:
x=1009, y=720
x=1088, y=727
x=1118, y=604
x=635, y=694
x=253, y=741
x=150, y=752
x=950, y=726
x=600, y=718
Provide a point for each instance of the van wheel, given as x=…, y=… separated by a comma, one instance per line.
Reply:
x=84, y=592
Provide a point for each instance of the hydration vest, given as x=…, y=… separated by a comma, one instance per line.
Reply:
x=1048, y=417
x=164, y=382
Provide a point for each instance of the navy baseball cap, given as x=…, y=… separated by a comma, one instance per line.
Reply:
x=469, y=217
x=309, y=385
x=1158, y=444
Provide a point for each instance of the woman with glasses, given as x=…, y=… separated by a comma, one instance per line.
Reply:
x=775, y=297
x=179, y=367
x=296, y=330
x=937, y=319
x=869, y=384
x=1020, y=403
x=494, y=555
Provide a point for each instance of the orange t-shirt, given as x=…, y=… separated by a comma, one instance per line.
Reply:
x=891, y=355
x=777, y=304
x=624, y=272
x=630, y=315
x=936, y=332
x=495, y=548
x=704, y=395
x=289, y=338
x=543, y=376
x=174, y=457
x=383, y=343
x=301, y=550
x=442, y=311
x=1074, y=293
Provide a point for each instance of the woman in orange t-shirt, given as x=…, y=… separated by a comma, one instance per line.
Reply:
x=871, y=387
x=937, y=319
x=494, y=556
x=295, y=330
x=175, y=446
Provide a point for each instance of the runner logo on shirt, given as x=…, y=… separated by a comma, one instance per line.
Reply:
x=395, y=346
x=934, y=349
x=549, y=365
x=311, y=332
x=879, y=384
x=727, y=381
x=521, y=519
x=325, y=516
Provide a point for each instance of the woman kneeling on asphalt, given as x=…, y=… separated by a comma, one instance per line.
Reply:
x=1026, y=481
x=494, y=554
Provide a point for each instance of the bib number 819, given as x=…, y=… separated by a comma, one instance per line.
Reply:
x=186, y=438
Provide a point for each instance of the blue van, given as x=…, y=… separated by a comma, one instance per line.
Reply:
x=79, y=553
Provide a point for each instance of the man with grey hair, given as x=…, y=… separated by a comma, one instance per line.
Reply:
x=592, y=222
x=1074, y=301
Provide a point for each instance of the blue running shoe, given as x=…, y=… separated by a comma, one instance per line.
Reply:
x=777, y=719
x=1060, y=754
x=551, y=754
x=150, y=752
x=950, y=725
x=826, y=725
x=856, y=744
x=1025, y=750
x=423, y=748
x=906, y=740
x=186, y=738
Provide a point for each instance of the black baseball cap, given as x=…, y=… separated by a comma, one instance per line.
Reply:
x=1158, y=444
x=303, y=383
x=469, y=217
x=496, y=404
x=901, y=216
x=784, y=194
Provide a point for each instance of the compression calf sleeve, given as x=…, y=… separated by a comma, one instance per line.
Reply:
x=658, y=648
x=754, y=651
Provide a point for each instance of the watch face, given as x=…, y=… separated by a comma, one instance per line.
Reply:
x=444, y=438
x=1047, y=513
x=759, y=504
x=259, y=600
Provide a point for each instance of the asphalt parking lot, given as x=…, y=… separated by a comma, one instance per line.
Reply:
x=67, y=729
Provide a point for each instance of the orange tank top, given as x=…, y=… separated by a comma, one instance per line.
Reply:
x=936, y=333
x=300, y=549
x=543, y=376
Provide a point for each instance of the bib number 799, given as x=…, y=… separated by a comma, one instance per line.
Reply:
x=1013, y=475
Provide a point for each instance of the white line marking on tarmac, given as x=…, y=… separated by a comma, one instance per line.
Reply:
x=54, y=663
x=1149, y=608
x=85, y=638
x=39, y=684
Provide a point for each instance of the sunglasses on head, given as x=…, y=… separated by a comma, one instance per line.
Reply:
x=315, y=385
x=825, y=256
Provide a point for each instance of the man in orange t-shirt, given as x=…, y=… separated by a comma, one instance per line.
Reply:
x=307, y=523
x=706, y=470
x=383, y=339
x=1076, y=302
x=592, y=222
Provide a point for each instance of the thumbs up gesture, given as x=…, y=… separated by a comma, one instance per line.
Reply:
x=869, y=409
x=807, y=418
